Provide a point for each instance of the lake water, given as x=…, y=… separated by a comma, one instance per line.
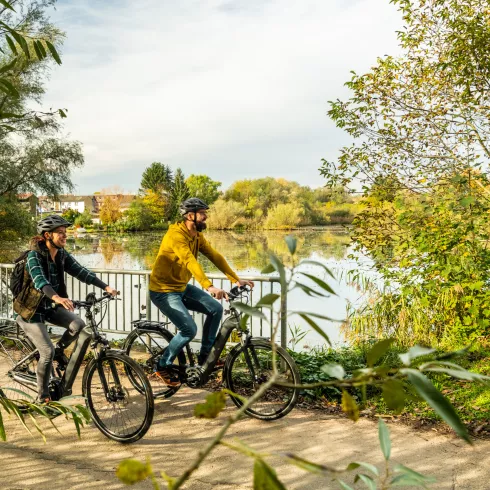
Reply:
x=247, y=253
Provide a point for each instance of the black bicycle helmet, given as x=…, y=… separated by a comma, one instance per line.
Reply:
x=50, y=223
x=192, y=205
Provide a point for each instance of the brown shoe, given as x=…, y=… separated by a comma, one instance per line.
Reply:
x=168, y=376
x=220, y=364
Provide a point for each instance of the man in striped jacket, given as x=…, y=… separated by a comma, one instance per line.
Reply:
x=43, y=285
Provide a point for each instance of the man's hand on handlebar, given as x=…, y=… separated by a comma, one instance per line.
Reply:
x=111, y=291
x=243, y=282
x=64, y=302
x=217, y=293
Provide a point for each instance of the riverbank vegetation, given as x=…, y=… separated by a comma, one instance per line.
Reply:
x=420, y=128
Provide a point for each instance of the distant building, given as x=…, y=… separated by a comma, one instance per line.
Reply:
x=63, y=203
x=124, y=199
x=81, y=203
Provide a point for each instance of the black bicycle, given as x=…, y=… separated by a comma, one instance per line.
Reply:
x=120, y=411
x=248, y=365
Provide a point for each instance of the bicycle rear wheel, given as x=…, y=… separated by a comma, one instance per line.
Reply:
x=119, y=410
x=146, y=347
x=247, y=368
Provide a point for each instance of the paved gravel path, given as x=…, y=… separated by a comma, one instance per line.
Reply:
x=175, y=438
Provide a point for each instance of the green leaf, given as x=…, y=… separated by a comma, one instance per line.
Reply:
x=437, y=401
x=249, y=310
x=459, y=373
x=42, y=48
x=414, y=352
x=8, y=66
x=7, y=5
x=54, y=53
x=315, y=315
x=309, y=291
x=20, y=392
x=212, y=407
x=394, y=394
x=467, y=201
x=11, y=44
x=39, y=53
x=292, y=243
x=368, y=481
x=131, y=471
x=62, y=113
x=243, y=322
x=279, y=267
x=384, y=439
x=344, y=485
x=3, y=435
x=369, y=467
x=268, y=269
x=377, y=351
x=241, y=447
x=22, y=43
x=399, y=468
x=323, y=266
x=320, y=283
x=306, y=465
x=8, y=88
x=268, y=299
x=334, y=370
x=315, y=326
x=349, y=406
x=265, y=477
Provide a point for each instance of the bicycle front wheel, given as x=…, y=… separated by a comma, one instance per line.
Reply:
x=247, y=368
x=119, y=410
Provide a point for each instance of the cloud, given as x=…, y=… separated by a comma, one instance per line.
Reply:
x=234, y=89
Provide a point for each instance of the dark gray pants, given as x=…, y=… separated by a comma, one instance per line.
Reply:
x=38, y=335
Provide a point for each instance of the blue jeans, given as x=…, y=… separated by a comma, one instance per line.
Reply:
x=176, y=306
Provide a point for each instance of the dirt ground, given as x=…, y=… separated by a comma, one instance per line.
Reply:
x=65, y=462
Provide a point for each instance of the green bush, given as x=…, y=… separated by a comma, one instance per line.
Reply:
x=284, y=217
x=84, y=219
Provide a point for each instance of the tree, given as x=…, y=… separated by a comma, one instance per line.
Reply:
x=283, y=217
x=420, y=124
x=33, y=156
x=203, y=187
x=225, y=215
x=84, y=219
x=157, y=205
x=180, y=192
x=139, y=216
x=29, y=42
x=157, y=178
x=71, y=215
x=423, y=116
x=110, y=209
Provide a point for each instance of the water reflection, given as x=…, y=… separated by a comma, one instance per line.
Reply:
x=245, y=251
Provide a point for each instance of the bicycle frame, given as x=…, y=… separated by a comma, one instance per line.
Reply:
x=195, y=376
x=88, y=333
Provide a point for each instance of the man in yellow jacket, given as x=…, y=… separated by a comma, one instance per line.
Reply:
x=169, y=289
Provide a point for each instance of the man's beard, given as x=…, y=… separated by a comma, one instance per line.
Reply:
x=200, y=226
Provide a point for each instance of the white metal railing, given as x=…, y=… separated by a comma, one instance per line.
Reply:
x=135, y=293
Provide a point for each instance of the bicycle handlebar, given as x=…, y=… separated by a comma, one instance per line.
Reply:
x=88, y=304
x=236, y=292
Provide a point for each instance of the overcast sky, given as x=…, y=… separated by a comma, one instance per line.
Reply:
x=232, y=89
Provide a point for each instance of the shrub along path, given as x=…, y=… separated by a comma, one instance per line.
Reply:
x=65, y=462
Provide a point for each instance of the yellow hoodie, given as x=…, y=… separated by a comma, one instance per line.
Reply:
x=177, y=261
